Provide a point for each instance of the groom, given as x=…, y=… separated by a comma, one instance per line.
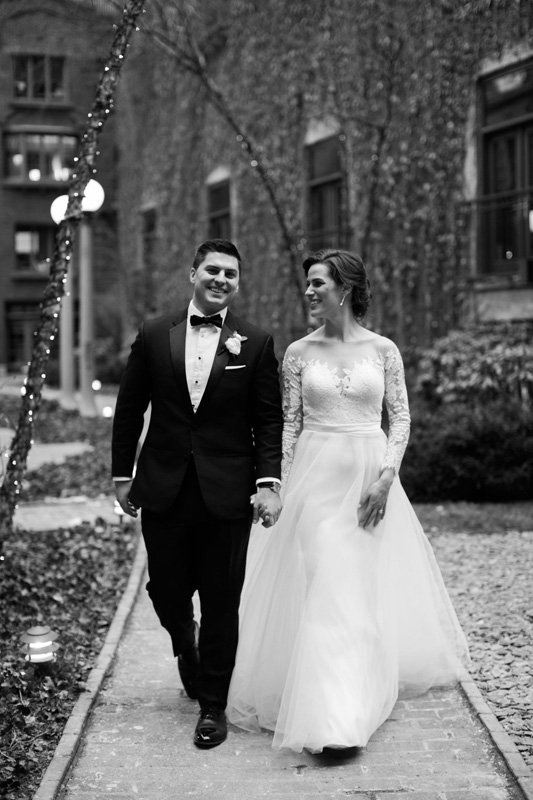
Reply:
x=209, y=466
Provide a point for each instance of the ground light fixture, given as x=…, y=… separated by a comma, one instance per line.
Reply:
x=39, y=644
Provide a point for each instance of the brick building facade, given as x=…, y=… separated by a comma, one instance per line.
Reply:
x=51, y=56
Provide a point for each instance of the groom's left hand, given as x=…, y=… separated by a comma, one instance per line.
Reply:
x=266, y=506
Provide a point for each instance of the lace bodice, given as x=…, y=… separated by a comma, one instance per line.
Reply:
x=317, y=391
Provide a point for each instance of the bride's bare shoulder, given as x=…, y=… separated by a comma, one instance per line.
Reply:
x=301, y=346
x=384, y=345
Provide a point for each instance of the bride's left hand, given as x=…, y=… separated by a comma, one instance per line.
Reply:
x=374, y=501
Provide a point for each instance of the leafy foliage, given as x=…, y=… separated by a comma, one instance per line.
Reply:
x=56, y=424
x=87, y=474
x=479, y=364
x=71, y=580
x=392, y=83
x=479, y=453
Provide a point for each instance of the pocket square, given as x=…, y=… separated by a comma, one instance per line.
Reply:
x=237, y=366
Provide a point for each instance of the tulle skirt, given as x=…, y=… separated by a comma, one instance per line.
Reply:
x=336, y=620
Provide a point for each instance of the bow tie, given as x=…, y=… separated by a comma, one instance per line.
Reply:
x=216, y=319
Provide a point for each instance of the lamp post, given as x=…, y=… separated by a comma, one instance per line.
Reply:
x=92, y=201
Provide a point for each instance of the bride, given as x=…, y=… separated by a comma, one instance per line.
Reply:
x=344, y=607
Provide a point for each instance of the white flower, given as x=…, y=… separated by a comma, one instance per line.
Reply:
x=233, y=343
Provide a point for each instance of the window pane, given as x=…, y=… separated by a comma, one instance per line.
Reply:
x=218, y=197
x=324, y=159
x=39, y=83
x=220, y=227
x=33, y=165
x=57, y=86
x=15, y=341
x=501, y=226
x=325, y=214
x=51, y=157
x=37, y=157
x=20, y=76
x=503, y=162
x=21, y=321
x=219, y=211
x=14, y=158
x=32, y=247
x=529, y=156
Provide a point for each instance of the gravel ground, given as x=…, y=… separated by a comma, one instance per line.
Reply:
x=490, y=580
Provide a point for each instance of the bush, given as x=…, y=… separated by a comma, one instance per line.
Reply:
x=88, y=474
x=476, y=453
x=481, y=363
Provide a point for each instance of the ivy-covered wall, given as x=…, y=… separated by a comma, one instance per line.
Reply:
x=397, y=79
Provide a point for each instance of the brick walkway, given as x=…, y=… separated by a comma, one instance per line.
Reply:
x=138, y=744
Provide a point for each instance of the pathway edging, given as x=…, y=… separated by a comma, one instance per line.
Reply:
x=500, y=738
x=65, y=753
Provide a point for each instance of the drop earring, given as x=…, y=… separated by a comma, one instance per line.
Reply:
x=344, y=295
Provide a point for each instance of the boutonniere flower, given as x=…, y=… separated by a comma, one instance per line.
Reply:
x=233, y=343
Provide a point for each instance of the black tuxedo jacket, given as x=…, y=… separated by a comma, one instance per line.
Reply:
x=234, y=436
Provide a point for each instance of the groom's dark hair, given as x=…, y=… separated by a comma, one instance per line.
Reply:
x=215, y=246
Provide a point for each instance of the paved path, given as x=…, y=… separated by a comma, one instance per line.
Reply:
x=64, y=513
x=138, y=744
x=40, y=453
x=137, y=741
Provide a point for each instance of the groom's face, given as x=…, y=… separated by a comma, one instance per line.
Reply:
x=216, y=282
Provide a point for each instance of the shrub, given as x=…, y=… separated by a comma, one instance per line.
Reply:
x=481, y=363
x=469, y=452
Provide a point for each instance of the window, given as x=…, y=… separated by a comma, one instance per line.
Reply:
x=506, y=204
x=326, y=227
x=21, y=320
x=33, y=245
x=219, y=211
x=39, y=77
x=39, y=156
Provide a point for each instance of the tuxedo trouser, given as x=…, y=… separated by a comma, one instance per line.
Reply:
x=190, y=550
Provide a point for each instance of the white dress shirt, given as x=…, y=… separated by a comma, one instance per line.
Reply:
x=201, y=343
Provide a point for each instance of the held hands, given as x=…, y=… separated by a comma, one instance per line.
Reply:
x=122, y=490
x=374, y=501
x=266, y=506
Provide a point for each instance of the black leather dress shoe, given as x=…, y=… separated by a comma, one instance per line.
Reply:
x=188, y=663
x=211, y=728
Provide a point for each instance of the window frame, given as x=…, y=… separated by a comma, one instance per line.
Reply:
x=219, y=222
x=48, y=96
x=24, y=133
x=325, y=186
x=46, y=234
x=505, y=214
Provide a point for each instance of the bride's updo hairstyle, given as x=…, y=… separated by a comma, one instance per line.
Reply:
x=346, y=269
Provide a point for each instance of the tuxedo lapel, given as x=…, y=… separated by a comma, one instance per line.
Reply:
x=177, y=355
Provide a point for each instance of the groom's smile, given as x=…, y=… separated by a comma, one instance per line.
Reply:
x=216, y=282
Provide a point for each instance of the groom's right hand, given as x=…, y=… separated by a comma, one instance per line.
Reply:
x=122, y=490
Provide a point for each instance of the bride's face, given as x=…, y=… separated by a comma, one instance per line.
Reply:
x=323, y=293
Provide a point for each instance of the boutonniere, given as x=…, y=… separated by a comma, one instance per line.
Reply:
x=233, y=343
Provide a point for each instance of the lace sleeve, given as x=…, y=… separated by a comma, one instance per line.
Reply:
x=397, y=405
x=292, y=410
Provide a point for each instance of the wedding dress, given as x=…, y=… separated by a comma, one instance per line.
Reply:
x=337, y=620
